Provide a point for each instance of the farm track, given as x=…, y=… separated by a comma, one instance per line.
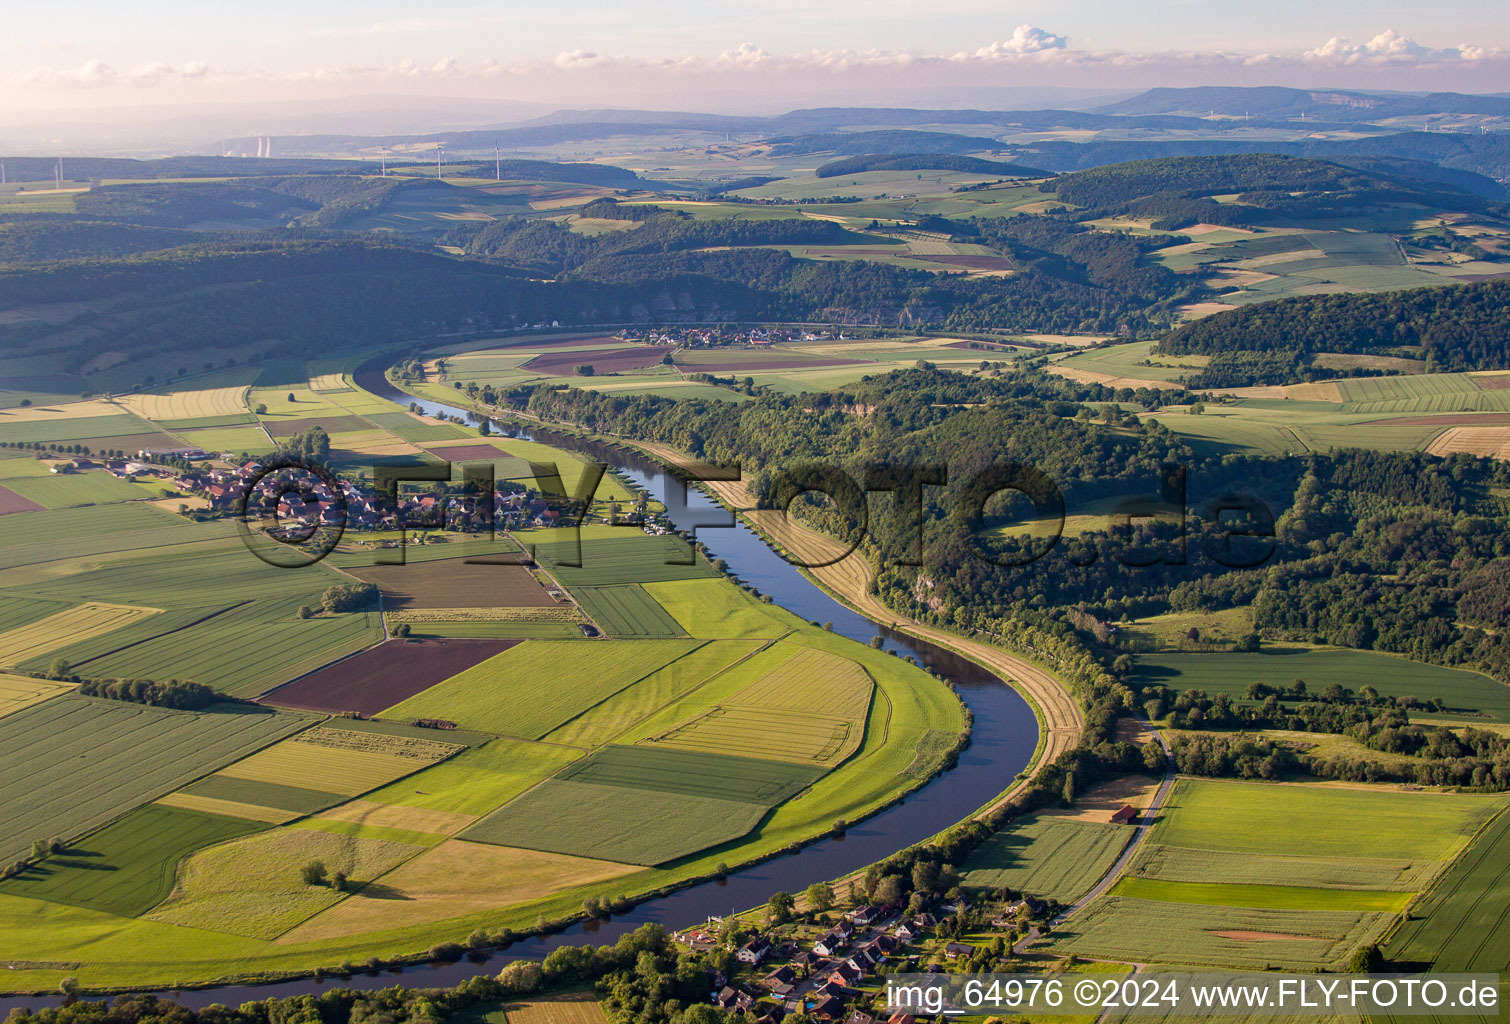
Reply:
x=847, y=577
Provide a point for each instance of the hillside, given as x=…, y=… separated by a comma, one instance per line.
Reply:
x=1459, y=328
x=926, y=162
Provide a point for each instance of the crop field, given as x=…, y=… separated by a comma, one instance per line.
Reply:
x=1051, y=858
x=627, y=611
x=32, y=538
x=20, y=692
x=711, y=608
x=1173, y=933
x=229, y=439
x=187, y=405
x=1461, y=924
x=615, y=823
x=295, y=800
x=612, y=717
x=411, y=428
x=571, y=1008
x=92, y=488
x=1128, y=361
x=102, y=741
x=126, y=868
x=1465, y=693
x=56, y=630
x=1182, y=864
x=455, y=583
x=385, y=675
x=1262, y=897
x=241, y=419
x=532, y=689
x=692, y=773
x=369, y=814
x=633, y=558
x=11, y=502
x=611, y=360
x=251, y=886
x=72, y=428
x=1320, y=821
x=478, y=780
x=343, y=762
x=452, y=880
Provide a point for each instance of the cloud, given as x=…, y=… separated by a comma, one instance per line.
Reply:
x=1390, y=47
x=1025, y=39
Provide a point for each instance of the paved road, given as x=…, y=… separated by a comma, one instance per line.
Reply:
x=1115, y=872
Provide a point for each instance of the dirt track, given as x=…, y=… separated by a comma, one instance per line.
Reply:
x=847, y=577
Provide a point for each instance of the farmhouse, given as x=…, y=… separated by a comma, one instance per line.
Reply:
x=1125, y=816
x=863, y=916
x=955, y=950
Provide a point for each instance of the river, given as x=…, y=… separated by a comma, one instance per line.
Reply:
x=1004, y=737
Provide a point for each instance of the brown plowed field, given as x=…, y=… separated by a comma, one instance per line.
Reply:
x=453, y=583
x=10, y=502
x=385, y=675
x=468, y=453
x=607, y=360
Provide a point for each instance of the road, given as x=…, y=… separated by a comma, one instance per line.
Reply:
x=1119, y=867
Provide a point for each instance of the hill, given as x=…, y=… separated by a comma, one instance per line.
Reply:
x=1459, y=328
x=927, y=162
x=1280, y=102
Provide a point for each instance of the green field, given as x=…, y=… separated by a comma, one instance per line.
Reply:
x=92, y=488
x=1048, y=857
x=74, y=428
x=1461, y=924
x=611, y=718
x=126, y=868
x=1467, y=694
x=101, y=742
x=1320, y=821
x=631, y=826
x=711, y=608
x=627, y=611
x=634, y=557
x=533, y=688
x=479, y=780
x=296, y=799
x=1262, y=897
x=31, y=538
x=692, y=773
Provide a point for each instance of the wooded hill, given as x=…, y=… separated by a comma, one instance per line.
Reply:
x=926, y=162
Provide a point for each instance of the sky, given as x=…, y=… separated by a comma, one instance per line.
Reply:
x=769, y=54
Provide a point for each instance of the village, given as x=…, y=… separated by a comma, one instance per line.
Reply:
x=830, y=965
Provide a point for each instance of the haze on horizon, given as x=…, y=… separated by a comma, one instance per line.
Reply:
x=751, y=56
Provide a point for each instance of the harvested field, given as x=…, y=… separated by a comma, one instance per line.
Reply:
x=11, y=502
x=385, y=675
x=455, y=583
x=568, y=1008
x=609, y=360
x=796, y=736
x=128, y=867
x=328, y=382
x=454, y=879
x=251, y=886
x=1486, y=442
x=18, y=692
x=1099, y=804
x=344, y=770
x=102, y=741
x=413, y=819
x=226, y=808
x=187, y=405
x=534, y=688
x=66, y=627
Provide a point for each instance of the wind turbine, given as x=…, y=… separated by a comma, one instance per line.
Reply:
x=439, y=148
x=497, y=166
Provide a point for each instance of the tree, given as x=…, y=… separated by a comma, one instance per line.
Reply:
x=313, y=873
x=485, y=428
x=305, y=611
x=401, y=630
x=520, y=977
x=819, y=896
x=1366, y=960
x=583, y=370
x=338, y=881
x=781, y=905
x=291, y=397
x=261, y=409
x=1153, y=757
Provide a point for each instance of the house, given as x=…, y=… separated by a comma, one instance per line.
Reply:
x=863, y=916
x=883, y=944
x=846, y=974
x=754, y=951
x=827, y=1008
x=901, y=1018
x=907, y=931
x=859, y=1017
x=1126, y=816
x=954, y=950
x=733, y=999
x=803, y=961
x=781, y=976
x=831, y=943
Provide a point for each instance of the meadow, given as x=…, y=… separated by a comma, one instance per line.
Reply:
x=1052, y=858
x=533, y=688
x=633, y=558
x=710, y=608
x=102, y=742
x=1467, y=694
x=128, y=867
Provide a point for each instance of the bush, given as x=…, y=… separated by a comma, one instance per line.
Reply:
x=313, y=873
x=520, y=977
